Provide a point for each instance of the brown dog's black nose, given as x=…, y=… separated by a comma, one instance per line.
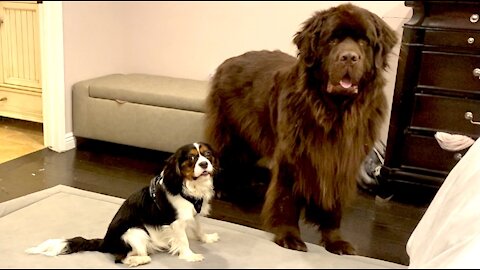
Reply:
x=349, y=57
x=203, y=164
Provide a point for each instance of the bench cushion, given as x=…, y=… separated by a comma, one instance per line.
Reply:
x=160, y=91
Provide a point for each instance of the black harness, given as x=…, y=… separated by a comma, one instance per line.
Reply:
x=157, y=182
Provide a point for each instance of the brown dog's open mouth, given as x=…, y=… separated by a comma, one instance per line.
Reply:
x=344, y=87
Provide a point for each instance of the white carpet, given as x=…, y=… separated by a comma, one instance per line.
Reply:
x=64, y=212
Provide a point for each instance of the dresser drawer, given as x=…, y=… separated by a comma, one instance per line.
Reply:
x=452, y=39
x=439, y=113
x=437, y=82
x=449, y=71
x=424, y=152
x=25, y=105
x=462, y=16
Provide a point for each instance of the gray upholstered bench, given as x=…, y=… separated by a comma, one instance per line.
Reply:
x=148, y=111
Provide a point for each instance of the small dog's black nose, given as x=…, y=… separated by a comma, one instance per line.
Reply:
x=203, y=164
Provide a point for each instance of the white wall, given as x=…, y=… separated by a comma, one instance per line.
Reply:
x=188, y=39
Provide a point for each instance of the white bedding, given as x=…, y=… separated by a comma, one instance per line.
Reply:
x=64, y=212
x=448, y=235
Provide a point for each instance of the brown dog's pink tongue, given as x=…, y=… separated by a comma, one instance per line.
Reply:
x=346, y=83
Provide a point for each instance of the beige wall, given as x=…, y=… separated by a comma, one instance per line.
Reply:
x=188, y=39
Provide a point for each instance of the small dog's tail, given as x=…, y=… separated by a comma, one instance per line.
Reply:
x=54, y=247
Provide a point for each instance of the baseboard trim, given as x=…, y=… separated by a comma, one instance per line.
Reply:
x=68, y=143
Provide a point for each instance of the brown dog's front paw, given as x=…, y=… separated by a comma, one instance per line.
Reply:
x=291, y=242
x=340, y=247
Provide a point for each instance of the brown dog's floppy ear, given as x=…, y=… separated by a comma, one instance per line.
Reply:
x=386, y=39
x=307, y=38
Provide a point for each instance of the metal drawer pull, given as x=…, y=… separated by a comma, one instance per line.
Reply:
x=470, y=40
x=3, y=99
x=469, y=116
x=476, y=72
x=457, y=156
x=474, y=18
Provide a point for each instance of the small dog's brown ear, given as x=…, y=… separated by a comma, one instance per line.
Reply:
x=172, y=176
x=177, y=168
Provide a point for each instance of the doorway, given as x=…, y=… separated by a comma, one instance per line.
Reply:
x=21, y=120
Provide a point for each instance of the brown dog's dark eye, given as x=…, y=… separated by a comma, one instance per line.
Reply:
x=362, y=42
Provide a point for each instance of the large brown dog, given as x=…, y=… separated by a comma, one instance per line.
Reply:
x=314, y=117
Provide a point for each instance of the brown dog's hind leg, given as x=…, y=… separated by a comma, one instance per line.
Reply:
x=281, y=210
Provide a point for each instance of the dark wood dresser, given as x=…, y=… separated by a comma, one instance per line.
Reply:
x=437, y=88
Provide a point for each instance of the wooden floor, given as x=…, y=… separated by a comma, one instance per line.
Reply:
x=377, y=228
x=18, y=138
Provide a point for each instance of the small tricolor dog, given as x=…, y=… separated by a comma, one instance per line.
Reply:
x=159, y=217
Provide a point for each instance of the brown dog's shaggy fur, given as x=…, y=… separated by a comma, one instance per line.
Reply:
x=314, y=117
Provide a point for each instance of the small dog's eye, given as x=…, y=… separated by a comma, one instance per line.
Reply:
x=207, y=153
x=192, y=158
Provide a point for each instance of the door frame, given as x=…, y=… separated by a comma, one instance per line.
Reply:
x=55, y=136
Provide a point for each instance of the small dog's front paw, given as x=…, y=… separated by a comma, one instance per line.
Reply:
x=210, y=237
x=191, y=257
x=132, y=261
